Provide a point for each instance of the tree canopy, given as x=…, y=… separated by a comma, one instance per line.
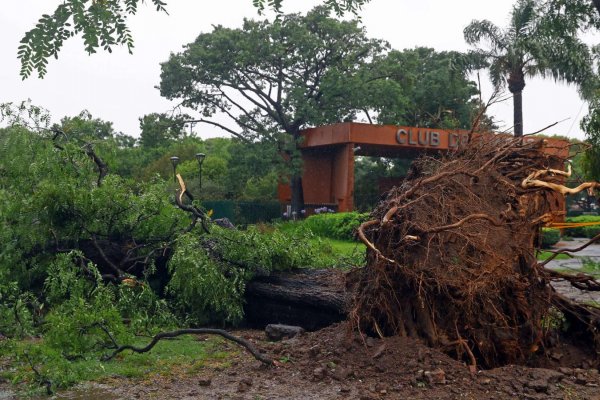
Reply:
x=272, y=77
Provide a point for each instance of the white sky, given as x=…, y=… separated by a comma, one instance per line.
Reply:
x=119, y=87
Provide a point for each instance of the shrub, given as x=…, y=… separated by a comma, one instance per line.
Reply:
x=550, y=237
x=335, y=226
x=583, y=231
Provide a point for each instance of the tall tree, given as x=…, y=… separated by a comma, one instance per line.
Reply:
x=432, y=88
x=272, y=79
x=533, y=44
x=158, y=129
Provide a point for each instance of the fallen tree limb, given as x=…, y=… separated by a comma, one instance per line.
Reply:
x=566, y=251
x=193, y=331
x=197, y=214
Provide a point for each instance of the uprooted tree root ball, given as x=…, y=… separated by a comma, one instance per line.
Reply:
x=451, y=256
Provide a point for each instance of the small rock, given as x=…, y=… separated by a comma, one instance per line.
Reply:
x=340, y=374
x=435, y=377
x=204, y=382
x=319, y=373
x=344, y=389
x=242, y=388
x=224, y=223
x=565, y=371
x=379, y=351
x=277, y=332
x=244, y=385
x=557, y=356
x=486, y=381
x=581, y=379
x=247, y=381
x=539, y=385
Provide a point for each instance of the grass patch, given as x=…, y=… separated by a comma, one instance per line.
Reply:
x=184, y=355
x=336, y=253
x=544, y=255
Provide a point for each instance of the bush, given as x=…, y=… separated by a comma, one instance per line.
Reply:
x=335, y=226
x=583, y=231
x=550, y=237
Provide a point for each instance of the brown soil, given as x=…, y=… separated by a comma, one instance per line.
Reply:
x=334, y=364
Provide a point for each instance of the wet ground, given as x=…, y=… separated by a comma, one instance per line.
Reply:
x=574, y=265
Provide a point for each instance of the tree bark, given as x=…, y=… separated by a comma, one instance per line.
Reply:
x=297, y=194
x=311, y=299
x=518, y=112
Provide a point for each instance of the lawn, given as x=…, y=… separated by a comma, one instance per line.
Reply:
x=183, y=355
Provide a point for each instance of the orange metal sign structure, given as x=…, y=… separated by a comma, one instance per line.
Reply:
x=328, y=156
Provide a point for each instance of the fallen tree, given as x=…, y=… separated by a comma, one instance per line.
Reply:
x=451, y=255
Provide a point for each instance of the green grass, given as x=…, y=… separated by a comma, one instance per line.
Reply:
x=544, y=255
x=335, y=253
x=344, y=247
x=183, y=355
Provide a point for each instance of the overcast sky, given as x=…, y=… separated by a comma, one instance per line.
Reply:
x=119, y=87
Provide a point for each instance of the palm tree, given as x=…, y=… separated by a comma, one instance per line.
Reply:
x=532, y=45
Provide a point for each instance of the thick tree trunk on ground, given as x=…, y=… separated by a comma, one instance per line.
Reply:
x=311, y=299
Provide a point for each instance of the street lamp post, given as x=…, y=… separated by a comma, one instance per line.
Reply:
x=174, y=161
x=200, y=157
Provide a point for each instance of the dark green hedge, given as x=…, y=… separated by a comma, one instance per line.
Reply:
x=583, y=231
x=550, y=237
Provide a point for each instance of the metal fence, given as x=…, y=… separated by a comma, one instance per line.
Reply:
x=244, y=212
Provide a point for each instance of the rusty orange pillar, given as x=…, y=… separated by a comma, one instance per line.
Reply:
x=328, y=176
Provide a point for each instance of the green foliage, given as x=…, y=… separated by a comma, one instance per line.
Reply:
x=208, y=276
x=101, y=24
x=422, y=87
x=159, y=129
x=275, y=57
x=540, y=41
x=550, y=237
x=591, y=126
x=339, y=6
x=335, y=225
x=86, y=263
x=584, y=231
x=169, y=357
x=86, y=127
x=591, y=267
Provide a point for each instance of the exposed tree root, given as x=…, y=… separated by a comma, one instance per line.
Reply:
x=451, y=254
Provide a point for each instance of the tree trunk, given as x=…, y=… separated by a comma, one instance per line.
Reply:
x=516, y=84
x=311, y=299
x=518, y=112
x=297, y=194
